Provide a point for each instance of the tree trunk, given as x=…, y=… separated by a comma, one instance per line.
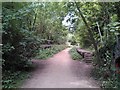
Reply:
x=99, y=33
x=90, y=32
x=34, y=21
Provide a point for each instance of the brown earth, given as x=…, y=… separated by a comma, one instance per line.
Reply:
x=60, y=71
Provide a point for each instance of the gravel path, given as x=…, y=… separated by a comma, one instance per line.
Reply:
x=60, y=71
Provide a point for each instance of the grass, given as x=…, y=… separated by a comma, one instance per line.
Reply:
x=49, y=52
x=75, y=55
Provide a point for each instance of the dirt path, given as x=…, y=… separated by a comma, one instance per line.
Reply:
x=60, y=71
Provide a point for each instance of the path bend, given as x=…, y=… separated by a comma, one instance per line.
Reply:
x=60, y=71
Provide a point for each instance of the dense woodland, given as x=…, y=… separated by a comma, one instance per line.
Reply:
x=26, y=26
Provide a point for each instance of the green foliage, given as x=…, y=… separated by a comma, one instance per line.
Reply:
x=48, y=22
x=105, y=35
x=106, y=53
x=106, y=69
x=75, y=55
x=19, y=42
x=13, y=79
x=48, y=52
x=85, y=41
x=27, y=25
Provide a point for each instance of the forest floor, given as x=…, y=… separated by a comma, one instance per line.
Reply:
x=60, y=71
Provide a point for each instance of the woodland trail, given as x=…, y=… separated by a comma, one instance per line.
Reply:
x=60, y=71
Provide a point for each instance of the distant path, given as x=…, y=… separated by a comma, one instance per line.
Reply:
x=61, y=71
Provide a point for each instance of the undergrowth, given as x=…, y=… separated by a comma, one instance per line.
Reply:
x=49, y=52
x=12, y=79
x=75, y=55
x=105, y=71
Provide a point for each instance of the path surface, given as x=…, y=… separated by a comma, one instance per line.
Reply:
x=60, y=71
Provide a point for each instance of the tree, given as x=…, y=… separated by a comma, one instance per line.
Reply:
x=90, y=32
